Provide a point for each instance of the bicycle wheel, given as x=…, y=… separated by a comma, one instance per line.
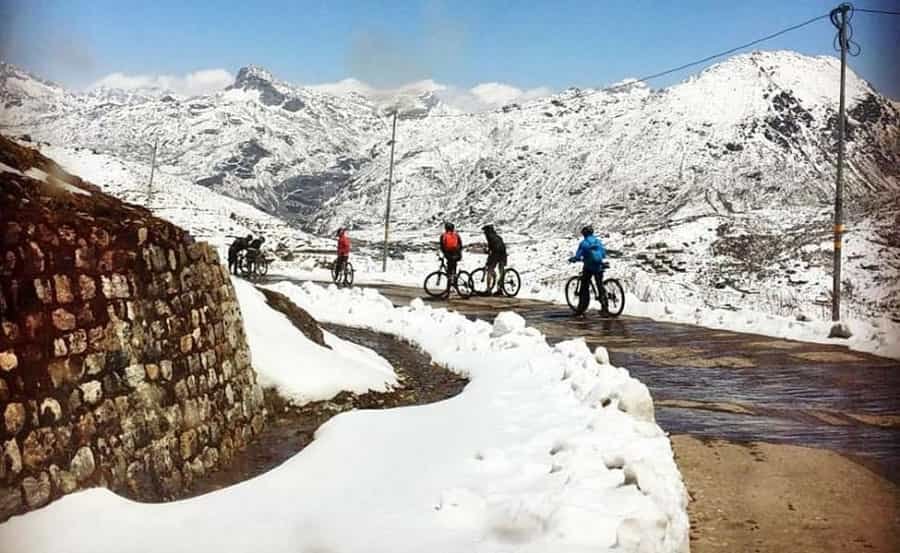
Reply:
x=464, y=285
x=512, y=283
x=245, y=266
x=262, y=267
x=437, y=284
x=479, y=282
x=573, y=292
x=348, y=275
x=615, y=296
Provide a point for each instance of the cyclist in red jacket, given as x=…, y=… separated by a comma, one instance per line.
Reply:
x=451, y=246
x=343, y=250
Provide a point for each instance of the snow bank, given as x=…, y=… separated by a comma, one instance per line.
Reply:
x=545, y=450
x=300, y=369
x=876, y=336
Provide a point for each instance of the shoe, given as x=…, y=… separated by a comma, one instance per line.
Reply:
x=497, y=293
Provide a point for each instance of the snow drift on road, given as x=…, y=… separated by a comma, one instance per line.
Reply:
x=547, y=449
x=298, y=368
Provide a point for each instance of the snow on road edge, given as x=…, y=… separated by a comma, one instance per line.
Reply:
x=546, y=449
x=298, y=368
x=601, y=389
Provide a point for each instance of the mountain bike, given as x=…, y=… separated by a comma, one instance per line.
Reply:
x=345, y=277
x=253, y=263
x=439, y=284
x=615, y=294
x=509, y=282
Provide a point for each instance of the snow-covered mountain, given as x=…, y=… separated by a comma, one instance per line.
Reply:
x=283, y=148
x=732, y=170
x=753, y=132
x=756, y=131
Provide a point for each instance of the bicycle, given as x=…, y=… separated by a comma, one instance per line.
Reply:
x=615, y=294
x=345, y=278
x=509, y=282
x=253, y=263
x=438, y=284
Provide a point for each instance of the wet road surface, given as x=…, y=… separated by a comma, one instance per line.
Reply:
x=733, y=386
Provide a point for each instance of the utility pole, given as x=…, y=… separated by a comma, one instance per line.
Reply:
x=839, y=19
x=152, y=168
x=387, y=209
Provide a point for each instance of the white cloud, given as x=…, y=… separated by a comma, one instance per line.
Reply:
x=499, y=94
x=484, y=96
x=204, y=81
x=344, y=87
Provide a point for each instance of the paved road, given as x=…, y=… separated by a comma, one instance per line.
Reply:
x=739, y=387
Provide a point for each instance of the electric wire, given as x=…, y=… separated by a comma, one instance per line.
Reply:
x=882, y=12
x=723, y=53
x=667, y=71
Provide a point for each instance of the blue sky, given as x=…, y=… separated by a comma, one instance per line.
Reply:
x=463, y=43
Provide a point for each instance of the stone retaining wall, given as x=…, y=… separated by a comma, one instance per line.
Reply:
x=123, y=360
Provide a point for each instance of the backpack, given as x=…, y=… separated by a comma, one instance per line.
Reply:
x=596, y=253
x=451, y=241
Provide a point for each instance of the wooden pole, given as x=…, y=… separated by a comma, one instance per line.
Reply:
x=839, y=184
x=387, y=209
x=152, y=168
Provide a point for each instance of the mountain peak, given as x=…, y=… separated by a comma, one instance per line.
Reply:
x=252, y=76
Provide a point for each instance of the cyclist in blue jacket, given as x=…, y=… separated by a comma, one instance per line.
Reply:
x=592, y=253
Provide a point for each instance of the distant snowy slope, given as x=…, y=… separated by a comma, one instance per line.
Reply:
x=209, y=216
x=754, y=131
x=732, y=171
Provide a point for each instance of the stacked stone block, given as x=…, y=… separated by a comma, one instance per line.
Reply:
x=123, y=360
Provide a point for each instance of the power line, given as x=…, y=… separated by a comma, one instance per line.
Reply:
x=680, y=67
x=723, y=53
x=883, y=12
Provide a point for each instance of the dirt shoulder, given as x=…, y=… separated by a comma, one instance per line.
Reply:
x=763, y=497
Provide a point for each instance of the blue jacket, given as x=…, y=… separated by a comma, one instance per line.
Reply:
x=592, y=252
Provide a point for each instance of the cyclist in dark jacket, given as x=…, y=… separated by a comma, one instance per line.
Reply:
x=496, y=256
x=236, y=247
x=592, y=253
x=254, y=248
x=451, y=246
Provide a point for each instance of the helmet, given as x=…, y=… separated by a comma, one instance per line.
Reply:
x=487, y=228
x=249, y=237
x=449, y=226
x=587, y=230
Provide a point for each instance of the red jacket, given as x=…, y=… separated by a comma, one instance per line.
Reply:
x=344, y=244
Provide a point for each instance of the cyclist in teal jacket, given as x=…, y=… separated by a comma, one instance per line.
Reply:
x=592, y=253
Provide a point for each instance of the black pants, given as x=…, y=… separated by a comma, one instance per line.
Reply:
x=340, y=264
x=452, y=260
x=233, y=262
x=584, y=298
